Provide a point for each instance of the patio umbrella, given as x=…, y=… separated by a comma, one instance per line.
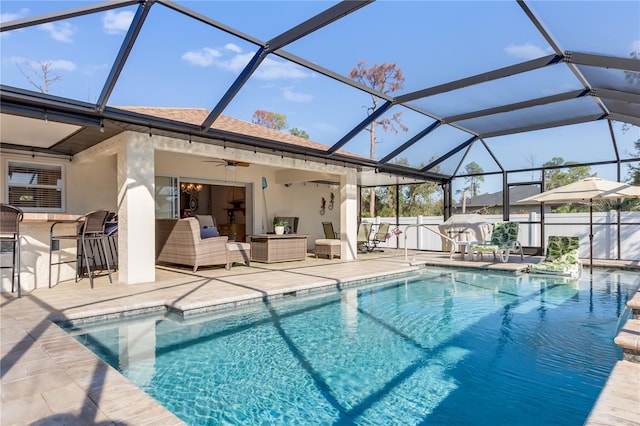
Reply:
x=588, y=189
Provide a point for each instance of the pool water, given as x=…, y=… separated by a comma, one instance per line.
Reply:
x=444, y=347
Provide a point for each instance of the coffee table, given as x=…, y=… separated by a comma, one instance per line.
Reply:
x=269, y=248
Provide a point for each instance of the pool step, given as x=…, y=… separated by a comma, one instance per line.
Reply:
x=628, y=339
x=619, y=401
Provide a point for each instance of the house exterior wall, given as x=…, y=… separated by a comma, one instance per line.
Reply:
x=87, y=186
x=117, y=175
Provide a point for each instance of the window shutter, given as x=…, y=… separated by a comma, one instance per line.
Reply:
x=34, y=187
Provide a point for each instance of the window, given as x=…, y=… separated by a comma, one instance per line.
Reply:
x=35, y=186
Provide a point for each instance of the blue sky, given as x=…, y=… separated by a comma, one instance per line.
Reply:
x=182, y=63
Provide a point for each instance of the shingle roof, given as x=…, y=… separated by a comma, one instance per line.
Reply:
x=197, y=116
x=495, y=199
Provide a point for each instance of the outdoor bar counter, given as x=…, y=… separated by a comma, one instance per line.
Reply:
x=34, y=251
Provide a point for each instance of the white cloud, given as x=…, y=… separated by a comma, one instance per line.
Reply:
x=275, y=70
x=526, y=51
x=204, y=57
x=7, y=16
x=54, y=64
x=60, y=31
x=61, y=64
x=635, y=47
x=290, y=95
x=236, y=63
x=210, y=57
x=116, y=22
x=233, y=47
x=231, y=58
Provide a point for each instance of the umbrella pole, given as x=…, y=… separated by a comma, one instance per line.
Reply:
x=591, y=236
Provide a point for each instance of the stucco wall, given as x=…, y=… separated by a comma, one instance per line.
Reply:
x=88, y=186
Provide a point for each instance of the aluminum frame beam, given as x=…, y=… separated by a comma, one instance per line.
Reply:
x=123, y=54
x=318, y=21
x=481, y=78
x=449, y=154
x=66, y=14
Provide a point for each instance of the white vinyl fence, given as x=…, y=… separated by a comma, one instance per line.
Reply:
x=605, y=232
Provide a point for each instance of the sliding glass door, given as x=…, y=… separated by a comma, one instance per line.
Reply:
x=166, y=195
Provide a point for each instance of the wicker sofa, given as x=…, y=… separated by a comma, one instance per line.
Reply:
x=178, y=241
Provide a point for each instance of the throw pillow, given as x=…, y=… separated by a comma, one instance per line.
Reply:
x=209, y=232
x=205, y=220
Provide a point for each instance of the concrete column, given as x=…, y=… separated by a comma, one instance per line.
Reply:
x=349, y=215
x=136, y=210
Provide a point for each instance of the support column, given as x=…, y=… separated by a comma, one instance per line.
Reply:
x=349, y=215
x=136, y=210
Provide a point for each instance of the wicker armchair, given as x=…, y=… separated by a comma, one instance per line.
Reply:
x=178, y=241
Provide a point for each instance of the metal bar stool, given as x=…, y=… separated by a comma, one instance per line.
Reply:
x=111, y=230
x=90, y=237
x=10, y=218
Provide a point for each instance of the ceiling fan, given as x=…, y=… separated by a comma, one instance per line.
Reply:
x=229, y=163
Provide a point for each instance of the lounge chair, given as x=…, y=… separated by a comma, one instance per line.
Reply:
x=504, y=241
x=561, y=258
x=330, y=245
x=364, y=230
x=329, y=232
x=380, y=236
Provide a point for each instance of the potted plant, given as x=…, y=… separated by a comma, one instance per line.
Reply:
x=279, y=225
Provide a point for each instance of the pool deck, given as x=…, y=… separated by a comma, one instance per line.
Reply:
x=48, y=378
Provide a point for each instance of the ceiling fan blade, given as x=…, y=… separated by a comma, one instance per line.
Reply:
x=223, y=162
x=237, y=163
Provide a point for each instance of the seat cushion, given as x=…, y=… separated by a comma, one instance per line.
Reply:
x=205, y=220
x=236, y=246
x=110, y=229
x=485, y=247
x=327, y=242
x=556, y=268
x=328, y=247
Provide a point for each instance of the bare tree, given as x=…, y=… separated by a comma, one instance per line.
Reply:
x=43, y=74
x=384, y=78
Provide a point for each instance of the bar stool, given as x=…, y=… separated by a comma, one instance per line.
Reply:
x=91, y=236
x=111, y=231
x=10, y=218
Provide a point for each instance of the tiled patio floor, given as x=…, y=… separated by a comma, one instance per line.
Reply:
x=49, y=378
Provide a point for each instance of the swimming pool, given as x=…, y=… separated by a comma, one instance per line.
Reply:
x=444, y=347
